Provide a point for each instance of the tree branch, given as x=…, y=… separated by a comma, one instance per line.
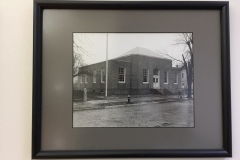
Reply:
x=166, y=54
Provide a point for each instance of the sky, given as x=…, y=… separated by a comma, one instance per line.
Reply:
x=93, y=46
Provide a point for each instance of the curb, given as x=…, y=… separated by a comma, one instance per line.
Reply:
x=128, y=105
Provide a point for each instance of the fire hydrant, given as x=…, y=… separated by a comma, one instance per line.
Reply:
x=129, y=98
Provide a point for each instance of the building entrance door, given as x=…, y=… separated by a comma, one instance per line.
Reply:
x=156, y=83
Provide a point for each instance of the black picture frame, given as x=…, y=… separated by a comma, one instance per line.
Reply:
x=41, y=5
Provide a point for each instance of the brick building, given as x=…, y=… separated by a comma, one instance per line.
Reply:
x=139, y=71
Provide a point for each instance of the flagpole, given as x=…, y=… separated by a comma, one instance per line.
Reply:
x=106, y=94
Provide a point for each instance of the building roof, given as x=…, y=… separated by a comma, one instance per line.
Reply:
x=134, y=51
x=143, y=52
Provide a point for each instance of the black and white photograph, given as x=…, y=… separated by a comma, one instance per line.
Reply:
x=133, y=80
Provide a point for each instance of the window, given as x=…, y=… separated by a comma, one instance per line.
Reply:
x=182, y=84
x=103, y=75
x=94, y=76
x=155, y=80
x=175, y=78
x=81, y=79
x=121, y=75
x=145, y=76
x=75, y=79
x=165, y=77
x=182, y=75
x=86, y=78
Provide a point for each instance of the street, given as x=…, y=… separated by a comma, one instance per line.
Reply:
x=174, y=114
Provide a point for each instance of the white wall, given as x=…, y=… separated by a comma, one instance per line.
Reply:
x=16, y=39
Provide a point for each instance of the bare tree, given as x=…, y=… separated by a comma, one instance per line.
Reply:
x=77, y=62
x=79, y=51
x=185, y=40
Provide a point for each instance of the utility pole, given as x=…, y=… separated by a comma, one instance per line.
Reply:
x=106, y=79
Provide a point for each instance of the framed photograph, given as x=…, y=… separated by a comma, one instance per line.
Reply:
x=131, y=79
x=116, y=83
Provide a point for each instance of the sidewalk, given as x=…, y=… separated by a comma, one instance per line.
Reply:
x=113, y=101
